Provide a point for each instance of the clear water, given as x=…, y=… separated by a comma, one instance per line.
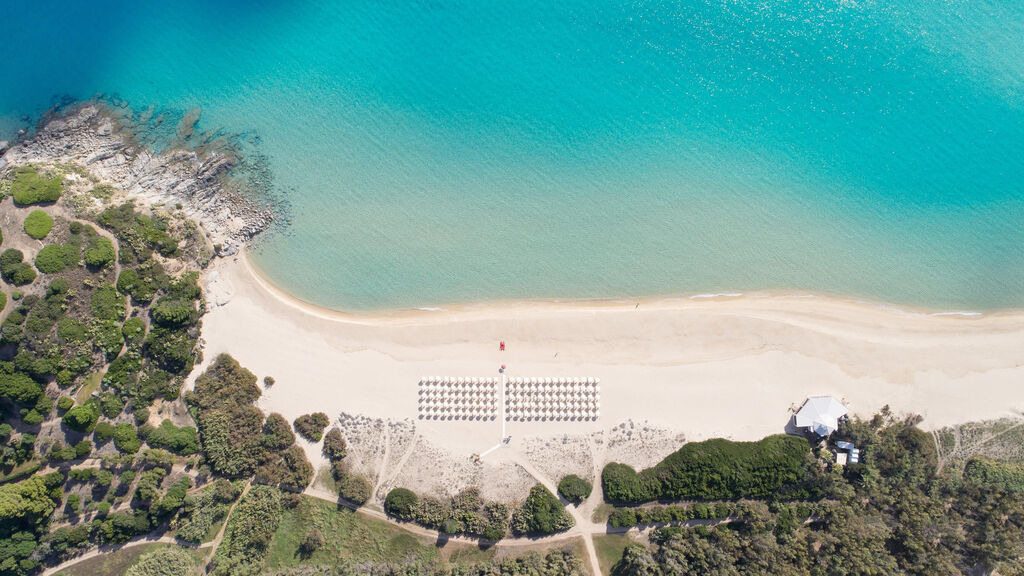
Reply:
x=446, y=151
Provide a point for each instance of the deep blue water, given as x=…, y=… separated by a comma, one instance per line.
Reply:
x=437, y=152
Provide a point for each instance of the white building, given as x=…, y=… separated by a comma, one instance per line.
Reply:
x=821, y=415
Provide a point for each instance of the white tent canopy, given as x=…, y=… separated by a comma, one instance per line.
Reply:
x=821, y=414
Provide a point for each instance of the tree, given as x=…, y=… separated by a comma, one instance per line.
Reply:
x=401, y=503
x=542, y=513
x=335, y=447
x=574, y=489
x=312, y=542
x=311, y=426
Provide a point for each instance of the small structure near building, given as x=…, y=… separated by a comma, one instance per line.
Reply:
x=849, y=447
x=821, y=415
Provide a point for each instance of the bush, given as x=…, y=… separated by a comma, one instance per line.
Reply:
x=64, y=403
x=38, y=224
x=335, y=447
x=99, y=252
x=82, y=418
x=717, y=469
x=169, y=561
x=104, y=431
x=229, y=425
x=311, y=426
x=248, y=533
x=29, y=187
x=126, y=438
x=55, y=258
x=14, y=270
x=107, y=304
x=401, y=503
x=183, y=441
x=574, y=489
x=542, y=513
x=355, y=488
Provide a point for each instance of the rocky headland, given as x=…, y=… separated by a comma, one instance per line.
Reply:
x=202, y=175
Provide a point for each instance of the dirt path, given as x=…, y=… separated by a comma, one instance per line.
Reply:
x=383, y=459
x=585, y=527
x=137, y=541
x=213, y=544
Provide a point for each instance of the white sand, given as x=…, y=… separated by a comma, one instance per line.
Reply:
x=709, y=367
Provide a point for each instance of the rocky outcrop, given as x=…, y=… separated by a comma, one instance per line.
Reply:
x=201, y=180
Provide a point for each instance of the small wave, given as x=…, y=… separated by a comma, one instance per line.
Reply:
x=718, y=295
x=429, y=309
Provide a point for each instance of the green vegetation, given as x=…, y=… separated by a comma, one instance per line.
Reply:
x=401, y=503
x=249, y=533
x=183, y=440
x=609, y=548
x=650, y=515
x=894, y=513
x=126, y=438
x=25, y=509
x=719, y=469
x=30, y=187
x=99, y=253
x=542, y=513
x=311, y=426
x=55, y=258
x=1008, y=476
x=138, y=234
x=203, y=511
x=14, y=270
x=232, y=434
x=170, y=561
x=82, y=418
x=355, y=488
x=574, y=489
x=335, y=447
x=38, y=224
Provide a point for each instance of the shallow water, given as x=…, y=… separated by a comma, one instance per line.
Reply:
x=437, y=152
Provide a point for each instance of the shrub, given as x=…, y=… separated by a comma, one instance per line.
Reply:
x=38, y=224
x=104, y=431
x=401, y=503
x=248, y=533
x=183, y=441
x=542, y=513
x=107, y=304
x=64, y=403
x=55, y=258
x=14, y=270
x=126, y=438
x=268, y=381
x=717, y=469
x=355, y=488
x=3, y=300
x=311, y=426
x=169, y=561
x=574, y=489
x=229, y=425
x=335, y=447
x=99, y=252
x=312, y=542
x=82, y=418
x=29, y=187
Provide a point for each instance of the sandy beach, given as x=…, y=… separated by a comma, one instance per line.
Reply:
x=728, y=366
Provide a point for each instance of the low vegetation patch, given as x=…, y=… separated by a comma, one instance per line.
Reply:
x=31, y=187
x=38, y=224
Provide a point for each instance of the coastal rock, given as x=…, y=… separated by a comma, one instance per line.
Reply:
x=200, y=180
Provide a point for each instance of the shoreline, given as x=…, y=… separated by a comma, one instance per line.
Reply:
x=670, y=369
x=497, y=307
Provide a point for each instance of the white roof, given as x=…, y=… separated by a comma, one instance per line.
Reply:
x=821, y=414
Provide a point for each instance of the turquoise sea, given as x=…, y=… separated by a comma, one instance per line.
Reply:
x=447, y=151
